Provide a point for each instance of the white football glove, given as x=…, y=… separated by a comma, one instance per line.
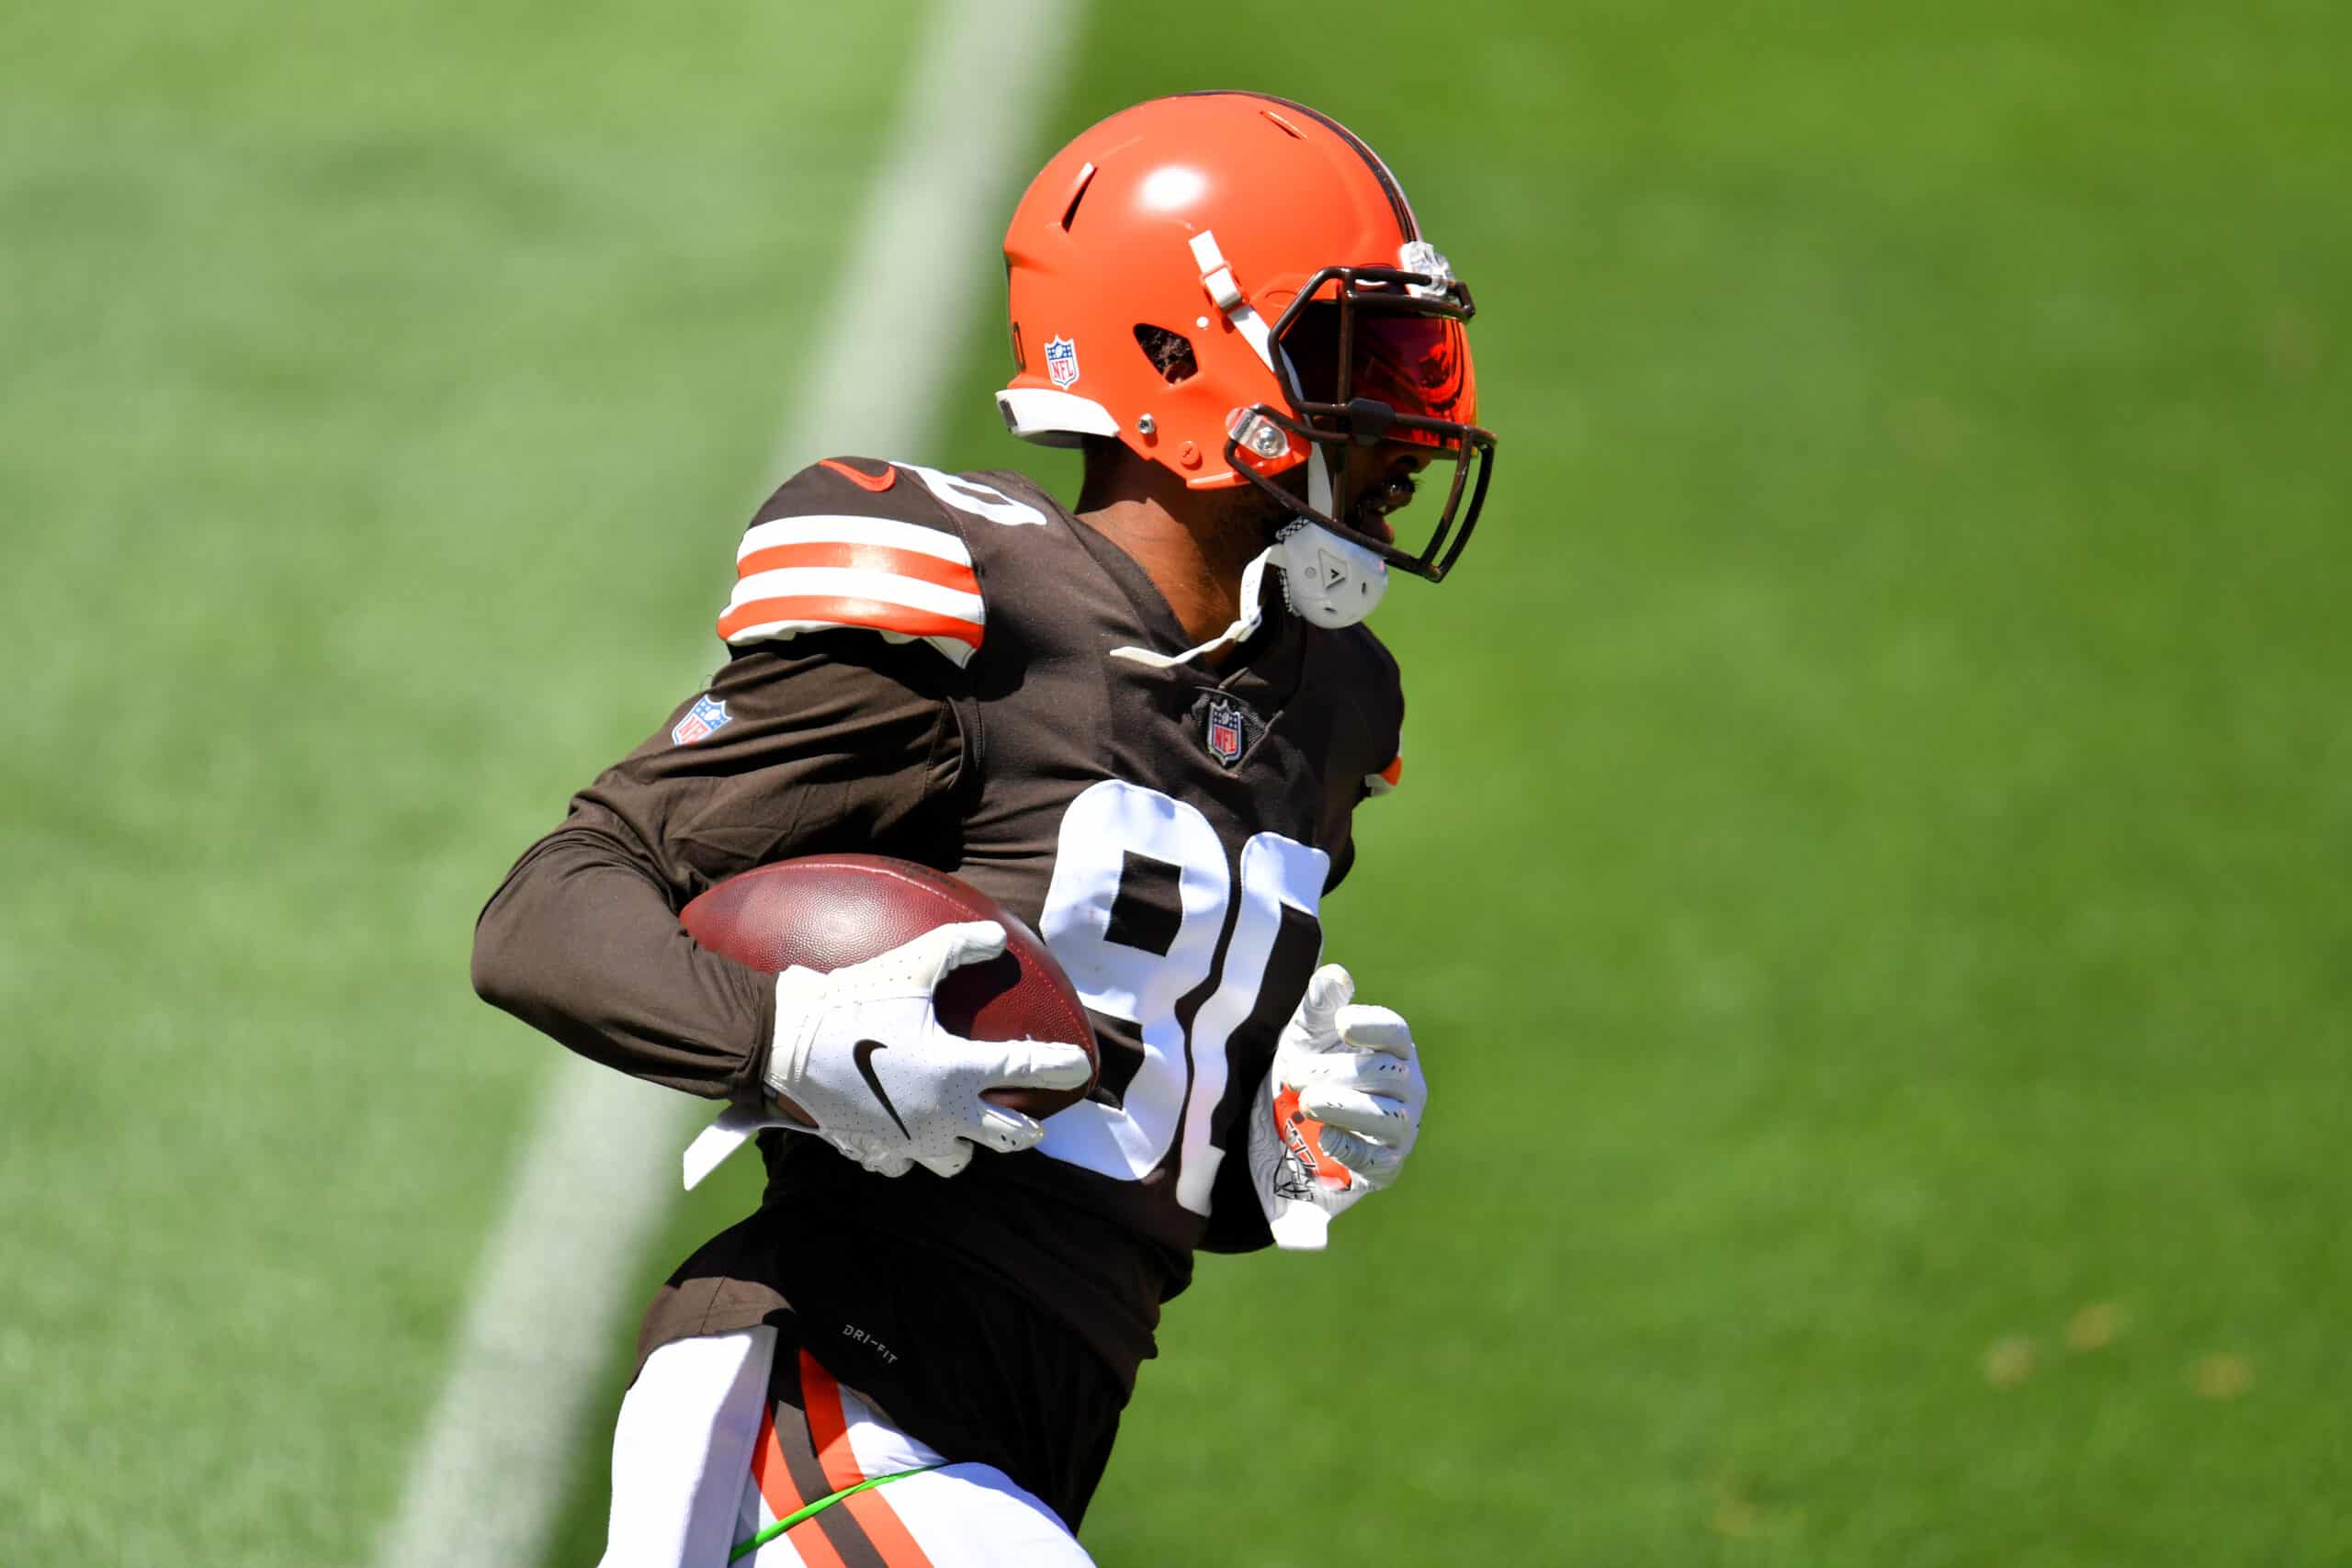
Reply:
x=1339, y=1112
x=862, y=1051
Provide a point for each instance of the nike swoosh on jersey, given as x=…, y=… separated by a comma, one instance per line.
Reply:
x=877, y=483
x=863, y=1054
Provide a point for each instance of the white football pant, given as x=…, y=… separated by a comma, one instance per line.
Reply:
x=700, y=1466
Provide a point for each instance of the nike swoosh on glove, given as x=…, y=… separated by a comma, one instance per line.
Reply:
x=1339, y=1112
x=862, y=1051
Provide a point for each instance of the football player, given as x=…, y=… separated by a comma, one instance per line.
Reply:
x=1145, y=724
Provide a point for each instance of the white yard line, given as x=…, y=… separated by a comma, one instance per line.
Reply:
x=592, y=1185
x=928, y=256
x=601, y=1168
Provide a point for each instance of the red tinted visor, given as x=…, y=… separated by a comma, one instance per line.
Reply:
x=1372, y=355
x=1418, y=365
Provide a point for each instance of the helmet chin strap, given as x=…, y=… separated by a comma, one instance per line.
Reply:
x=1328, y=581
x=1253, y=615
x=1331, y=581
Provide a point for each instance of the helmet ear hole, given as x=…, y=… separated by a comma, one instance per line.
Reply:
x=1171, y=353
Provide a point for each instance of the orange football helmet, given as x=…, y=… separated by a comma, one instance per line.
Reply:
x=1179, y=270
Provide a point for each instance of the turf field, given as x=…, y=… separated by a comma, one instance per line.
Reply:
x=1870, y=878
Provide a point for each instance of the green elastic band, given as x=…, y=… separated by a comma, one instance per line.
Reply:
x=818, y=1507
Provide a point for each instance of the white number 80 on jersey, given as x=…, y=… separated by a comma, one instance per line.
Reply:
x=1176, y=1088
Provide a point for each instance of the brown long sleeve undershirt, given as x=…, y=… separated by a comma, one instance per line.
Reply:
x=841, y=743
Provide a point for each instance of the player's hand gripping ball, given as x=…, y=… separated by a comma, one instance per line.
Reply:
x=916, y=1017
x=1340, y=1111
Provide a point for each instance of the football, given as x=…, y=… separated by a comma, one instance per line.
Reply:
x=823, y=911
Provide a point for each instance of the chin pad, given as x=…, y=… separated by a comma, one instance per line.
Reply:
x=1329, y=581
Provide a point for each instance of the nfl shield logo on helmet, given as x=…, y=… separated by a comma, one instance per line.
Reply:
x=1061, y=360
x=707, y=717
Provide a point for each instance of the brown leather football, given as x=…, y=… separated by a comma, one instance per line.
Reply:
x=822, y=911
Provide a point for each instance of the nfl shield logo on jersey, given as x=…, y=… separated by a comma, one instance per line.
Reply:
x=1061, y=360
x=707, y=717
x=1227, y=737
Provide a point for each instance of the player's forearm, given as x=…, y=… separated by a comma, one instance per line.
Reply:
x=582, y=944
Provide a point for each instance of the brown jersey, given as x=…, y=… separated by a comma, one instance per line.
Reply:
x=922, y=666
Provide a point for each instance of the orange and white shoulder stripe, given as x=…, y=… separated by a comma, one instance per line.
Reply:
x=1389, y=778
x=819, y=573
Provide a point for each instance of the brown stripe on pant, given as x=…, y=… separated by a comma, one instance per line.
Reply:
x=841, y=1530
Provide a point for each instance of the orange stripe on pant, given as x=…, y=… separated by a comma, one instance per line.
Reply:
x=829, y=1430
x=783, y=1500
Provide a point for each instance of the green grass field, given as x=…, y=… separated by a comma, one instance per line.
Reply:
x=1872, y=877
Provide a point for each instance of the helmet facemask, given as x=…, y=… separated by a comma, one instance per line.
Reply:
x=1366, y=356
